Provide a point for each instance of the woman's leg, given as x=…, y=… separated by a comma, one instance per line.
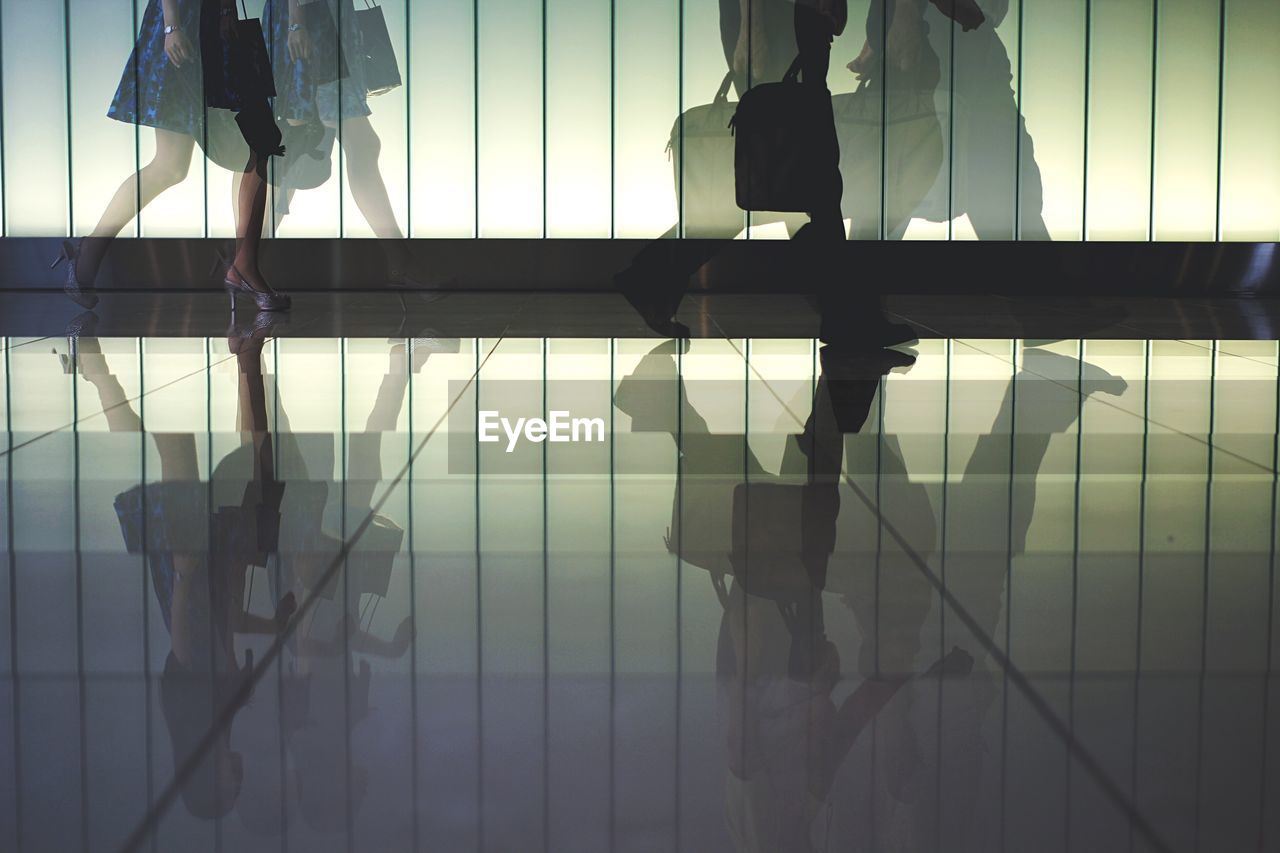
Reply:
x=167, y=168
x=251, y=209
x=363, y=148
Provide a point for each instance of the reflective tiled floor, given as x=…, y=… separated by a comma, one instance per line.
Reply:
x=269, y=594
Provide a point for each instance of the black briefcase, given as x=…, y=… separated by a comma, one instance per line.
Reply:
x=777, y=152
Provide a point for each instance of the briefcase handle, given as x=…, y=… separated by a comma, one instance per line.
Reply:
x=793, y=73
x=722, y=94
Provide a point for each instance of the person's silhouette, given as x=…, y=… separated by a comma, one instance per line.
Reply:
x=186, y=61
x=786, y=737
x=198, y=554
x=323, y=97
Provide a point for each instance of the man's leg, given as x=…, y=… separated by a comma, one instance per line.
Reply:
x=813, y=39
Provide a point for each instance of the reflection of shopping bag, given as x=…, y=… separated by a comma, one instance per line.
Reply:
x=381, y=69
x=372, y=558
x=367, y=566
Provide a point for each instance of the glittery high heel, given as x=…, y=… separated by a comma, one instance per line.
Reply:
x=85, y=297
x=235, y=285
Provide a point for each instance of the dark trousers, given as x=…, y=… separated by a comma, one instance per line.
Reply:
x=813, y=39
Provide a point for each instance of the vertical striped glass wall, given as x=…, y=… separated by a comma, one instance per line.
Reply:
x=1145, y=119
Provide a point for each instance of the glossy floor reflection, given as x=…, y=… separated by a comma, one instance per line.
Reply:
x=276, y=594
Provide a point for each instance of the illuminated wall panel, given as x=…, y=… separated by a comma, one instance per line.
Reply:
x=510, y=102
x=1055, y=119
x=37, y=173
x=1054, y=34
x=1186, y=156
x=441, y=83
x=1119, y=193
x=579, y=118
x=390, y=122
x=647, y=88
x=1251, y=124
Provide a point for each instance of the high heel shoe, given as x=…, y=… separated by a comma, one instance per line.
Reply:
x=240, y=336
x=235, y=285
x=83, y=326
x=85, y=297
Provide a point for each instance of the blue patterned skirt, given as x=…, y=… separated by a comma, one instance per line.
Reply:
x=156, y=93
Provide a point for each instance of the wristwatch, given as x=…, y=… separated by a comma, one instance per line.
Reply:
x=171, y=30
x=293, y=28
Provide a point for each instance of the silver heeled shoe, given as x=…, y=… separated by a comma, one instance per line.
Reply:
x=242, y=335
x=265, y=301
x=85, y=297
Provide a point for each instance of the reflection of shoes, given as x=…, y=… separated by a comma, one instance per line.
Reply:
x=839, y=363
x=857, y=338
x=82, y=295
x=1092, y=379
x=404, y=286
x=242, y=336
x=654, y=308
x=958, y=663
x=423, y=349
x=83, y=325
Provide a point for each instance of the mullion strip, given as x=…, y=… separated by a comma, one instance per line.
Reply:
x=1222, y=93
x=1204, y=591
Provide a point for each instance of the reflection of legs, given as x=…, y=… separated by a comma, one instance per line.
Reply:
x=991, y=513
x=365, y=464
x=167, y=169
x=178, y=464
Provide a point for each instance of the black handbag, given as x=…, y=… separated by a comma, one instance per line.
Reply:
x=778, y=163
x=381, y=68
x=250, y=59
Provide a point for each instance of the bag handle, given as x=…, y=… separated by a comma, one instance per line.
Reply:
x=793, y=73
x=722, y=94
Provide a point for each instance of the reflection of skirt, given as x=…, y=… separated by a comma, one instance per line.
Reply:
x=160, y=520
x=156, y=93
x=299, y=98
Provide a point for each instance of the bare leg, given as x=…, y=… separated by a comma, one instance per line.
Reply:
x=167, y=169
x=363, y=149
x=251, y=214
